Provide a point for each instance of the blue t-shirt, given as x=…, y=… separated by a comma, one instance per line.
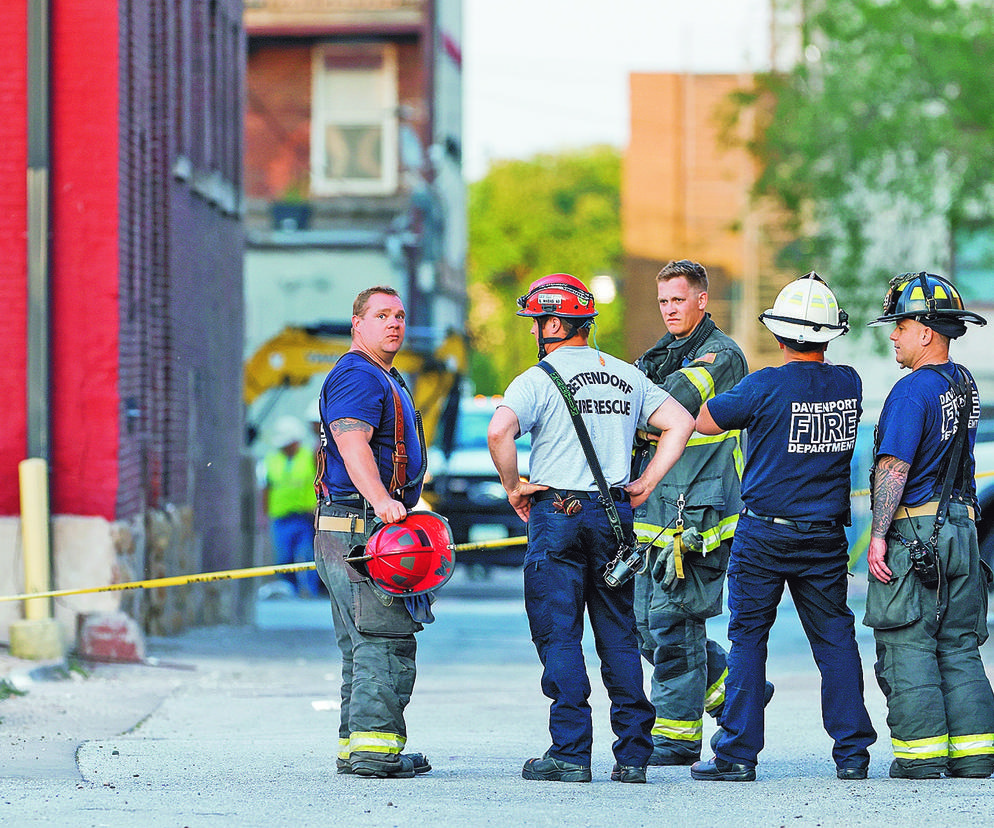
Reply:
x=356, y=389
x=801, y=419
x=916, y=424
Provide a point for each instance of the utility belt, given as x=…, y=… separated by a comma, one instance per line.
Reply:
x=929, y=509
x=618, y=494
x=355, y=522
x=800, y=525
x=924, y=554
x=327, y=523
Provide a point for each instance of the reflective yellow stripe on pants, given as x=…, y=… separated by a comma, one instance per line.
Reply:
x=932, y=747
x=376, y=742
x=679, y=731
x=343, y=748
x=645, y=532
x=971, y=744
x=715, y=694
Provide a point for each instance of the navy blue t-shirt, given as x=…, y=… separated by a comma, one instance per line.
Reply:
x=801, y=421
x=356, y=389
x=916, y=424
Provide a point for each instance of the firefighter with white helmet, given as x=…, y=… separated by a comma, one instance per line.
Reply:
x=927, y=593
x=371, y=464
x=573, y=529
x=801, y=419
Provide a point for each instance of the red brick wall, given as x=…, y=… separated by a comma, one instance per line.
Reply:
x=277, y=118
x=145, y=260
x=84, y=258
x=181, y=268
x=13, y=251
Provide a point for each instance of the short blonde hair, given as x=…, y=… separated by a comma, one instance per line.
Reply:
x=362, y=300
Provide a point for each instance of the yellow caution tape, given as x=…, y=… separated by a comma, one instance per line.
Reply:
x=260, y=571
x=172, y=580
x=226, y=575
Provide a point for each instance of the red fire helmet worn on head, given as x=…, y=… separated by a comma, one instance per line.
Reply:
x=412, y=557
x=558, y=294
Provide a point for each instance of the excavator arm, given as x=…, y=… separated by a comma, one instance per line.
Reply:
x=296, y=354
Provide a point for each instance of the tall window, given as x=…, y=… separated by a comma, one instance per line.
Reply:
x=354, y=123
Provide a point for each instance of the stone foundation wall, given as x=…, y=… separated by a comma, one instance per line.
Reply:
x=92, y=552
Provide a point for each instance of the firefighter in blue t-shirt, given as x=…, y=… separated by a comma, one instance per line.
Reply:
x=364, y=476
x=801, y=420
x=927, y=591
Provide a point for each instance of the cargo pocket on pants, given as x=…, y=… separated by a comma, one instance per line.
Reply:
x=377, y=614
x=898, y=603
x=986, y=580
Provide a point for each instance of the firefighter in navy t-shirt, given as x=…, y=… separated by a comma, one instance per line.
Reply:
x=359, y=478
x=928, y=626
x=801, y=420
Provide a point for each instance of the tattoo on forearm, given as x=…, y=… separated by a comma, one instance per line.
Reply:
x=350, y=424
x=889, y=480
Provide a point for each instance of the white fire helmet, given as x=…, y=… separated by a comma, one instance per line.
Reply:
x=806, y=311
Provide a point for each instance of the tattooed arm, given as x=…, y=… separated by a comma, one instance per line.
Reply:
x=352, y=438
x=889, y=479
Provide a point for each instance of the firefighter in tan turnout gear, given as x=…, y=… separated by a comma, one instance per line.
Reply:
x=927, y=594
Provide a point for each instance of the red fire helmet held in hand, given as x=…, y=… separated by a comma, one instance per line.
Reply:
x=412, y=557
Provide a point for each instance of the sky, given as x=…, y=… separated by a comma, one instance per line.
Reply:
x=548, y=75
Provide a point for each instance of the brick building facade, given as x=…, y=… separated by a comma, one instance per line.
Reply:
x=144, y=300
x=353, y=168
x=686, y=195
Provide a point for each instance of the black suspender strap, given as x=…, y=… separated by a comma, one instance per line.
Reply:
x=588, y=449
x=952, y=461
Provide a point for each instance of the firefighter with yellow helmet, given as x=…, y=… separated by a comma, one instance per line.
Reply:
x=927, y=593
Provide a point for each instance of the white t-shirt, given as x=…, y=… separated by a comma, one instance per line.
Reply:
x=614, y=399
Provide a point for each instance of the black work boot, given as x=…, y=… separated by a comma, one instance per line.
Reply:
x=627, y=773
x=718, y=770
x=663, y=756
x=388, y=765
x=549, y=769
x=914, y=770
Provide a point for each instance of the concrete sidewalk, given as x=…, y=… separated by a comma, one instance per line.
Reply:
x=238, y=726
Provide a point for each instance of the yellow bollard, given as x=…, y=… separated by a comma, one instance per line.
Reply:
x=38, y=636
x=34, y=535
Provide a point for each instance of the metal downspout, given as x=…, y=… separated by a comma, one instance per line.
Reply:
x=38, y=402
x=39, y=635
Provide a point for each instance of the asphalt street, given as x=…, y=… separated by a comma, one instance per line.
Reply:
x=238, y=727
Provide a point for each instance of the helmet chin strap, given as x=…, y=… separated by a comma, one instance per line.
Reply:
x=568, y=327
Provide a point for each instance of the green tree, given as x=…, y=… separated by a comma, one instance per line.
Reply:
x=879, y=144
x=527, y=219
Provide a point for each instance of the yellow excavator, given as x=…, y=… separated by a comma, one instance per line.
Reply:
x=298, y=353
